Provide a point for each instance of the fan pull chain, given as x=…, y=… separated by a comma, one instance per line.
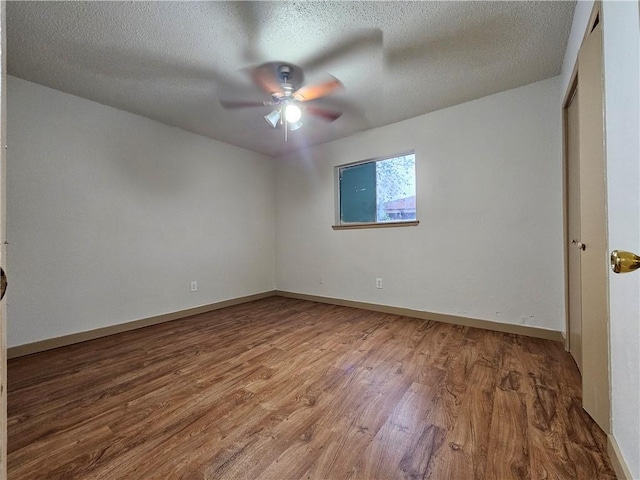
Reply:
x=285, y=130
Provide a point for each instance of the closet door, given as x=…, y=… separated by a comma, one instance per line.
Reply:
x=594, y=257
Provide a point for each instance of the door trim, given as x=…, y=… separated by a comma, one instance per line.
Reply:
x=571, y=91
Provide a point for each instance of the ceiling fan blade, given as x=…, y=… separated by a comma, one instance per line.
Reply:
x=478, y=42
x=311, y=92
x=243, y=103
x=248, y=14
x=266, y=77
x=354, y=43
x=325, y=114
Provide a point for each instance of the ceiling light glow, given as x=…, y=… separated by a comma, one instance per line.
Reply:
x=292, y=113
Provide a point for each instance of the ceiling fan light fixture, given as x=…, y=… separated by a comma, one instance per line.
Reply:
x=295, y=125
x=273, y=118
x=289, y=96
x=292, y=113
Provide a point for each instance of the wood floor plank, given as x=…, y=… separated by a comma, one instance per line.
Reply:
x=470, y=436
x=548, y=447
x=399, y=446
x=288, y=389
x=508, y=450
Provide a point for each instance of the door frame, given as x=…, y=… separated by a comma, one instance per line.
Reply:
x=572, y=96
x=571, y=90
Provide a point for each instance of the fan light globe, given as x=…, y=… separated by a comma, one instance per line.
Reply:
x=273, y=118
x=293, y=126
x=292, y=113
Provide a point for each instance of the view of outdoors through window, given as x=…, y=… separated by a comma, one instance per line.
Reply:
x=378, y=191
x=396, y=189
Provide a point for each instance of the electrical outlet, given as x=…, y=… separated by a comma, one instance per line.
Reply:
x=378, y=283
x=320, y=280
x=194, y=286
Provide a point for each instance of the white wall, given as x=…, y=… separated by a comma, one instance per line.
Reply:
x=621, y=35
x=489, y=243
x=111, y=215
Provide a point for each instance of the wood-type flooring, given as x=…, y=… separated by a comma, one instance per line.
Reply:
x=288, y=389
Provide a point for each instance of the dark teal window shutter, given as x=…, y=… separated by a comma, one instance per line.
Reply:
x=358, y=193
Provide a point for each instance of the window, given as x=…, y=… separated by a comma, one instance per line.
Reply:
x=377, y=192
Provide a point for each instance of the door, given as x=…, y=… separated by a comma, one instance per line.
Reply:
x=3, y=308
x=588, y=259
x=594, y=259
x=622, y=86
x=573, y=228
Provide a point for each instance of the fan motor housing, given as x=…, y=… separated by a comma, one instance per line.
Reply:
x=284, y=72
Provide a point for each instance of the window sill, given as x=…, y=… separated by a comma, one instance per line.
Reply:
x=353, y=226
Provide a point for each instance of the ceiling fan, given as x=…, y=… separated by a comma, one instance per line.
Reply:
x=289, y=97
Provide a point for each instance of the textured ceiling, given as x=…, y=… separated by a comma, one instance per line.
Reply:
x=172, y=61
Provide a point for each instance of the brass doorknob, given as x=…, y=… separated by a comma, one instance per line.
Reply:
x=624, y=262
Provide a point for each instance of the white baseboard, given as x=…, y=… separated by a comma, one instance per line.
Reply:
x=438, y=317
x=48, y=344
x=617, y=460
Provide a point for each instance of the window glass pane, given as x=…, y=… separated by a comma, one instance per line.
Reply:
x=396, y=189
x=358, y=193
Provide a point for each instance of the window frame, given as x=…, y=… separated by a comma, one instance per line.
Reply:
x=338, y=225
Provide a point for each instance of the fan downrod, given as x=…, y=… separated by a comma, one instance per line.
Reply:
x=284, y=72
